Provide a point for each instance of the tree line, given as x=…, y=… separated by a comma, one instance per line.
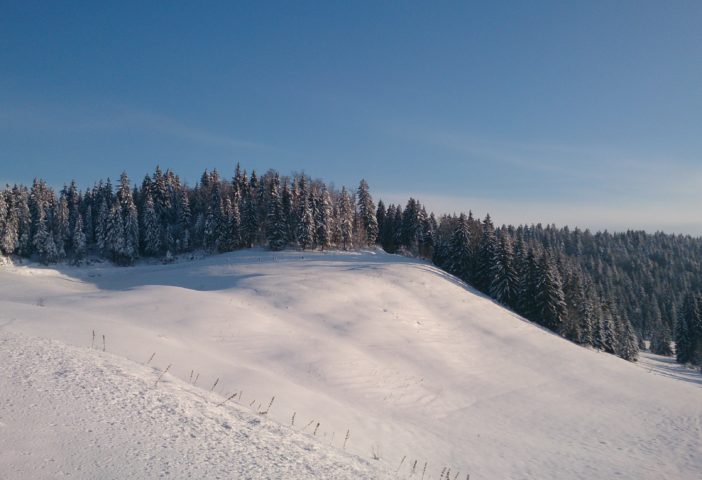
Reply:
x=610, y=291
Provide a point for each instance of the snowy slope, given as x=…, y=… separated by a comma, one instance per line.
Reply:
x=407, y=358
x=105, y=417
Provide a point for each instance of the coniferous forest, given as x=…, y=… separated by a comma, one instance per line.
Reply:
x=611, y=291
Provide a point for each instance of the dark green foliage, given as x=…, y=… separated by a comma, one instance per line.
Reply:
x=550, y=301
x=529, y=286
x=277, y=225
x=504, y=285
x=661, y=340
x=485, y=256
x=366, y=215
x=460, y=254
x=688, y=332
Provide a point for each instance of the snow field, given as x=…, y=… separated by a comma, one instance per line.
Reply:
x=412, y=362
x=80, y=413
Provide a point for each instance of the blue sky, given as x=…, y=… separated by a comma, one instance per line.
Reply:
x=584, y=113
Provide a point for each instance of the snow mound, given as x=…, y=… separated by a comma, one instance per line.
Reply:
x=68, y=411
x=417, y=366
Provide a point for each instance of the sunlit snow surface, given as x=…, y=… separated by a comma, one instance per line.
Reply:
x=402, y=355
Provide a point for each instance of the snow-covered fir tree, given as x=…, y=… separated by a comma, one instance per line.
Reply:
x=505, y=284
x=130, y=221
x=114, y=237
x=305, y=224
x=7, y=229
x=78, y=242
x=345, y=220
x=485, y=256
x=550, y=301
x=277, y=225
x=324, y=220
x=151, y=236
x=460, y=255
x=61, y=227
x=661, y=340
x=688, y=332
x=366, y=214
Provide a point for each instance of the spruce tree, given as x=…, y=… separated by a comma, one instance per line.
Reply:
x=130, y=221
x=529, y=287
x=101, y=226
x=410, y=227
x=114, y=237
x=661, y=339
x=211, y=231
x=460, y=254
x=62, y=226
x=249, y=213
x=305, y=226
x=276, y=222
x=628, y=345
x=428, y=226
x=9, y=224
x=184, y=219
x=485, y=257
x=43, y=241
x=345, y=216
x=49, y=253
x=367, y=215
x=151, y=228
x=324, y=219
x=78, y=243
x=380, y=214
x=24, y=219
x=504, y=286
x=688, y=332
x=608, y=332
x=550, y=302
x=387, y=232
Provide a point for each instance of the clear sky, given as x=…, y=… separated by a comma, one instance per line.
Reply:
x=582, y=113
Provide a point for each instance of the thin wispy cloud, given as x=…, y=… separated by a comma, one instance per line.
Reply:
x=596, y=215
x=606, y=170
x=589, y=187
x=115, y=119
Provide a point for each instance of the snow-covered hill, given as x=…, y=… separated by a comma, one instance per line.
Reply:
x=406, y=358
x=75, y=412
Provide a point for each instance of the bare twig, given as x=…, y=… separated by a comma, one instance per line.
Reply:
x=162, y=374
x=214, y=385
x=268, y=408
x=150, y=358
x=401, y=462
x=226, y=400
